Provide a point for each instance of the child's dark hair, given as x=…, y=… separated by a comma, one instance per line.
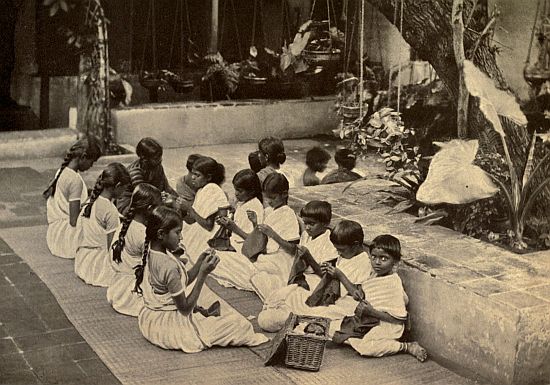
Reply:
x=191, y=159
x=88, y=147
x=161, y=218
x=144, y=197
x=316, y=158
x=114, y=173
x=319, y=211
x=389, y=244
x=273, y=149
x=347, y=233
x=275, y=183
x=345, y=158
x=148, y=148
x=248, y=180
x=254, y=161
x=209, y=167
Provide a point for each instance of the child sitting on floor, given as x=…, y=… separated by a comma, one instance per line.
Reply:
x=210, y=202
x=185, y=187
x=336, y=294
x=280, y=221
x=316, y=160
x=345, y=159
x=97, y=225
x=234, y=268
x=380, y=316
x=146, y=169
x=272, y=154
x=65, y=193
x=171, y=317
x=127, y=250
x=313, y=249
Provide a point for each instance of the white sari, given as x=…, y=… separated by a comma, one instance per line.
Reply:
x=208, y=201
x=61, y=237
x=162, y=324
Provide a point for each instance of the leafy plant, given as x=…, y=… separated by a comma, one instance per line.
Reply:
x=285, y=65
x=520, y=193
x=222, y=75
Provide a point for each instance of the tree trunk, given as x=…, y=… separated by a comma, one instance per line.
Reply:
x=428, y=30
x=458, y=48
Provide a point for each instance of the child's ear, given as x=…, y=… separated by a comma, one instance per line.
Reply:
x=160, y=234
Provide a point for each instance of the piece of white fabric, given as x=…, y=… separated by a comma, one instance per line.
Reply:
x=207, y=202
x=62, y=238
x=163, y=325
x=93, y=259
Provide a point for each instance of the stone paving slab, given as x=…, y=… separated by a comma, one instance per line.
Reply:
x=38, y=344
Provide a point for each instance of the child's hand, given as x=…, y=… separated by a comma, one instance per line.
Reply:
x=332, y=271
x=252, y=217
x=267, y=230
x=358, y=294
x=210, y=262
x=225, y=222
x=182, y=203
x=363, y=308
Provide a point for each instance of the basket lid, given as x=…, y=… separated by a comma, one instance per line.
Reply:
x=278, y=346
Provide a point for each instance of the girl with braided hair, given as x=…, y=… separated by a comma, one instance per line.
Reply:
x=64, y=195
x=127, y=250
x=174, y=316
x=97, y=225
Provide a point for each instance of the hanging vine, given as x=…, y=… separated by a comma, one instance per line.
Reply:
x=91, y=40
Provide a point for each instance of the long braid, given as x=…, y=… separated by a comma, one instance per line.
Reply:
x=50, y=190
x=88, y=147
x=118, y=246
x=140, y=269
x=98, y=188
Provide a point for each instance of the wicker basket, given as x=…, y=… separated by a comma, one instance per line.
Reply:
x=305, y=351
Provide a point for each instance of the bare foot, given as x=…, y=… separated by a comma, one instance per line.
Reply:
x=417, y=351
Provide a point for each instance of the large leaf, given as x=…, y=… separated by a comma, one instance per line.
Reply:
x=492, y=101
x=530, y=163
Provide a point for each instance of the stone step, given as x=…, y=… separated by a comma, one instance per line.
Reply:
x=33, y=144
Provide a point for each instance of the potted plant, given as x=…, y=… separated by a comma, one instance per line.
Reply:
x=285, y=67
x=348, y=96
x=325, y=44
x=178, y=83
x=221, y=79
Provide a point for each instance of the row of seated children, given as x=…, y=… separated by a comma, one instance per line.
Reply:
x=280, y=224
x=270, y=156
x=269, y=274
x=146, y=233
x=317, y=160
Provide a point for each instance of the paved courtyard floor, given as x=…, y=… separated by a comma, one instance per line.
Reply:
x=38, y=343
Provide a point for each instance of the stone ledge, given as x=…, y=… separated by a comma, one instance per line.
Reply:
x=189, y=124
x=471, y=303
x=36, y=143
